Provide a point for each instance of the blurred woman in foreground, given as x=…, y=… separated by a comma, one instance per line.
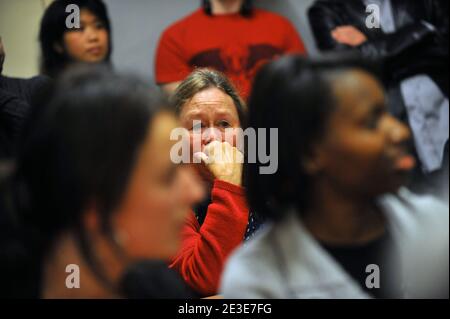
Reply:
x=95, y=187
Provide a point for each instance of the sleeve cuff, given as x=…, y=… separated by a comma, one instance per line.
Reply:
x=238, y=190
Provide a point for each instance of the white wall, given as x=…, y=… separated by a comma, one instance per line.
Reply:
x=19, y=27
x=137, y=25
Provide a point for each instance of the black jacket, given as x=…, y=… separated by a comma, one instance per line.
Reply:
x=413, y=49
x=16, y=98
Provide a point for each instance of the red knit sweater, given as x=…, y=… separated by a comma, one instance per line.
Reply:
x=205, y=249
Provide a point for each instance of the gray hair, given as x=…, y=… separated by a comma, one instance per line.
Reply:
x=202, y=79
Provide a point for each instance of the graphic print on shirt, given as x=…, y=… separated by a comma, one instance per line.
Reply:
x=239, y=62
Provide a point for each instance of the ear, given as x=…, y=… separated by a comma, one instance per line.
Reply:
x=314, y=162
x=58, y=48
x=91, y=220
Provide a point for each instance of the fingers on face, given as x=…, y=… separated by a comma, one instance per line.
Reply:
x=201, y=157
x=221, y=152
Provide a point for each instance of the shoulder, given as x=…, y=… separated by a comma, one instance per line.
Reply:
x=183, y=23
x=251, y=272
x=422, y=223
x=39, y=82
x=274, y=17
x=408, y=209
x=326, y=5
x=7, y=82
x=423, y=204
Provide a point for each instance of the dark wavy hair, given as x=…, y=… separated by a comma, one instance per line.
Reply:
x=246, y=9
x=53, y=27
x=202, y=79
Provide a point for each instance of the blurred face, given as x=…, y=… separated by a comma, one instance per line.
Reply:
x=158, y=197
x=89, y=43
x=213, y=112
x=364, y=150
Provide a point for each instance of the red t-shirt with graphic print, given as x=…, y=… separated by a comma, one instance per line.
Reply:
x=233, y=44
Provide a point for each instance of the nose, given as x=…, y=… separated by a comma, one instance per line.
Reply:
x=92, y=34
x=190, y=189
x=397, y=132
x=210, y=135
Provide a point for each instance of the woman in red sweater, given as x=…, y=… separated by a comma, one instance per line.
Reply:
x=208, y=106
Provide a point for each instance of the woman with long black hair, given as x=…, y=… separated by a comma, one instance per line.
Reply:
x=62, y=45
x=341, y=221
x=94, y=189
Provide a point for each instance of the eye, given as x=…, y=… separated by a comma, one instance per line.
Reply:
x=374, y=119
x=99, y=25
x=372, y=123
x=168, y=177
x=224, y=124
x=80, y=29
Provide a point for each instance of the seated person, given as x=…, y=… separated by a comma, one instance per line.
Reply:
x=208, y=106
x=340, y=217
